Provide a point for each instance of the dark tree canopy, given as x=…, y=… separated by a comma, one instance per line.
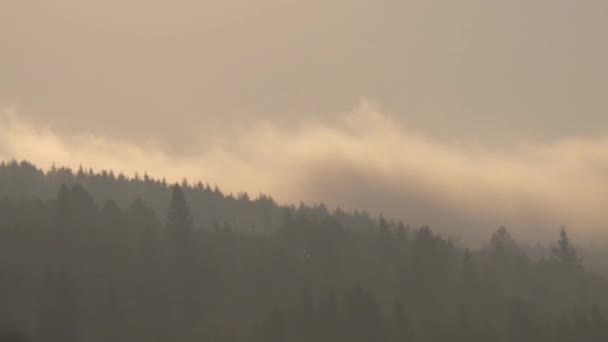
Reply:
x=565, y=252
x=91, y=256
x=179, y=218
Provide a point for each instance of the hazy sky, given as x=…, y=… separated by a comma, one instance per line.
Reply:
x=480, y=70
x=471, y=101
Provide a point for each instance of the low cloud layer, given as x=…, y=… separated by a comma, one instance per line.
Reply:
x=363, y=159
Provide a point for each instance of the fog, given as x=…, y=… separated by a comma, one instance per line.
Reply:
x=362, y=159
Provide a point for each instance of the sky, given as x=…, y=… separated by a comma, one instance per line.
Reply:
x=455, y=113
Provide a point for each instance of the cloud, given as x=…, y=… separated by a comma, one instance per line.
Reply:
x=363, y=159
x=493, y=71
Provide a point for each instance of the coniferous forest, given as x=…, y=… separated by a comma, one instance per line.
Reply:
x=98, y=256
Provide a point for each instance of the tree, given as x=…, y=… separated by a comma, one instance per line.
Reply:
x=402, y=232
x=184, y=268
x=62, y=208
x=74, y=208
x=385, y=238
x=111, y=215
x=469, y=280
x=83, y=208
x=468, y=270
x=502, y=245
x=179, y=218
x=565, y=252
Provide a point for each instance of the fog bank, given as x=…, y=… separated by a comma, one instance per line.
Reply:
x=363, y=159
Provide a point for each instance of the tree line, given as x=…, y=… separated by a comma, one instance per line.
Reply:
x=76, y=268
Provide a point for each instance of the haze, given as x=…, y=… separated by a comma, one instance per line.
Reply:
x=467, y=114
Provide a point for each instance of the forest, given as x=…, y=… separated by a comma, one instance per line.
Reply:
x=98, y=256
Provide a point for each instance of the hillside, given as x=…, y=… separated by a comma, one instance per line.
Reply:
x=210, y=206
x=75, y=267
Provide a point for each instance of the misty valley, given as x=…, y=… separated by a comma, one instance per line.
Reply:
x=98, y=256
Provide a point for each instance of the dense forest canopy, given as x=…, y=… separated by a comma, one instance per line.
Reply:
x=211, y=207
x=88, y=256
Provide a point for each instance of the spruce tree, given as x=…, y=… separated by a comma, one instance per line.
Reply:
x=179, y=218
x=565, y=252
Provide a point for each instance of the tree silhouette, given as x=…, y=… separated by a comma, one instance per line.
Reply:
x=565, y=252
x=184, y=271
x=468, y=271
x=179, y=218
x=503, y=246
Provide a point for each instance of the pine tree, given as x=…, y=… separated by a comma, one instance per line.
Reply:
x=470, y=288
x=83, y=209
x=565, y=252
x=184, y=268
x=502, y=244
x=111, y=215
x=468, y=271
x=62, y=208
x=179, y=216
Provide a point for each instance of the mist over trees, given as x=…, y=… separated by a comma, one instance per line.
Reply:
x=211, y=207
x=90, y=256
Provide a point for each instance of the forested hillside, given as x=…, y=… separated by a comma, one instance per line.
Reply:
x=99, y=257
x=210, y=206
